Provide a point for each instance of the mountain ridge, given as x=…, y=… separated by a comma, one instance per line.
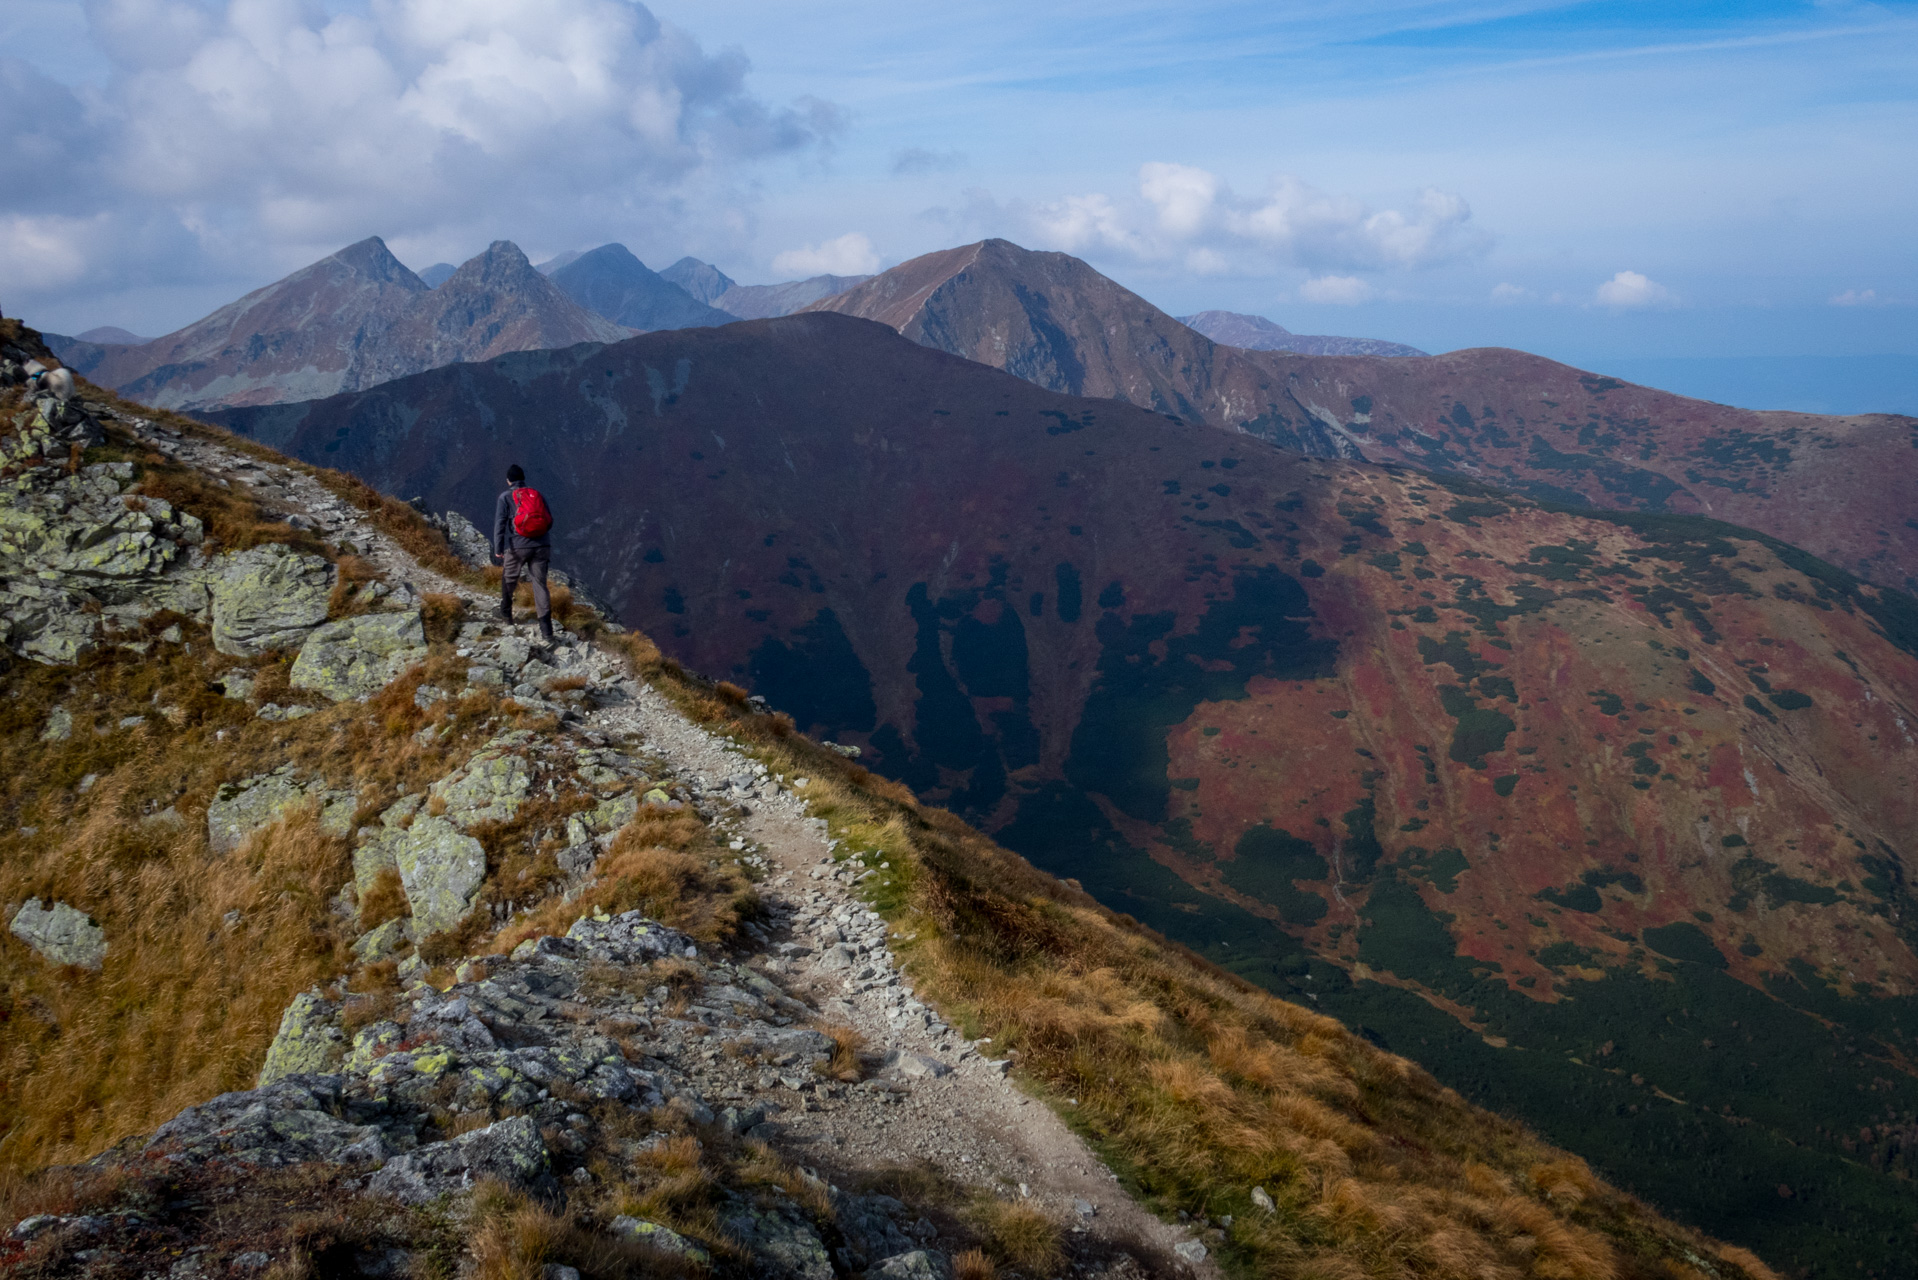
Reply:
x=1840, y=487
x=342, y=323
x=610, y=282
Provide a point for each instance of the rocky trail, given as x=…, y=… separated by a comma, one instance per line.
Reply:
x=532, y=1067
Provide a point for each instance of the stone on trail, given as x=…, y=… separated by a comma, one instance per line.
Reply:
x=441, y=868
x=915, y=1066
x=510, y=1150
x=307, y=1042
x=1191, y=1251
x=355, y=657
x=241, y=808
x=834, y=958
x=63, y=934
x=270, y=597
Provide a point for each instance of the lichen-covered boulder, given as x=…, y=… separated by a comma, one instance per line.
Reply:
x=383, y=942
x=241, y=808
x=780, y=1239
x=627, y=938
x=63, y=934
x=442, y=869
x=307, y=1043
x=489, y=789
x=291, y=1121
x=269, y=597
x=354, y=657
x=915, y=1264
x=510, y=1150
x=606, y=817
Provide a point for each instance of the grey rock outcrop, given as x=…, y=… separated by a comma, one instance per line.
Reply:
x=292, y=1121
x=269, y=597
x=490, y=788
x=355, y=657
x=239, y=809
x=665, y=1239
x=63, y=934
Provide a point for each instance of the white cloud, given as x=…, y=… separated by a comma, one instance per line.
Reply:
x=850, y=255
x=1345, y=291
x=1856, y=298
x=913, y=161
x=1181, y=213
x=273, y=132
x=1510, y=293
x=1629, y=289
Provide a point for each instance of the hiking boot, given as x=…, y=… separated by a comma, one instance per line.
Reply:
x=546, y=628
x=506, y=613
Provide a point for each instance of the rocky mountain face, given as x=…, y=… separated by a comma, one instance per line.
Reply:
x=1600, y=807
x=1256, y=333
x=345, y=323
x=402, y=942
x=610, y=282
x=1840, y=487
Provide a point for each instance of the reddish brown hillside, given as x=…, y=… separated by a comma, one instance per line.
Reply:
x=1592, y=815
x=1844, y=488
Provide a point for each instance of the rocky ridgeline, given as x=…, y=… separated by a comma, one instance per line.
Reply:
x=595, y=1049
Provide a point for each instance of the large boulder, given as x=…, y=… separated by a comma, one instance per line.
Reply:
x=307, y=1043
x=241, y=808
x=354, y=657
x=63, y=934
x=510, y=1150
x=441, y=868
x=270, y=597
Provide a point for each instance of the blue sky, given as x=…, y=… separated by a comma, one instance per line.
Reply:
x=1591, y=181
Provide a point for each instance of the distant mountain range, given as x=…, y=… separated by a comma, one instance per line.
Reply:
x=753, y=301
x=351, y=320
x=611, y=282
x=1604, y=817
x=1256, y=333
x=1842, y=488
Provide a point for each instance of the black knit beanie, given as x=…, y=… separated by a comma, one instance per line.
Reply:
x=514, y=475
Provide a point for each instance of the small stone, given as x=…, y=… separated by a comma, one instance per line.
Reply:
x=63, y=934
x=489, y=677
x=86, y=782
x=665, y=1239
x=1262, y=1200
x=919, y=1264
x=59, y=726
x=835, y=958
x=559, y=1270
x=1190, y=1250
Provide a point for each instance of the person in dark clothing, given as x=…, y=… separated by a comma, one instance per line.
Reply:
x=523, y=556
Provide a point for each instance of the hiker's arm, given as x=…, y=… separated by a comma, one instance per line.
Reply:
x=502, y=513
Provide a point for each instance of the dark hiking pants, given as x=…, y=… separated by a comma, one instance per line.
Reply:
x=528, y=565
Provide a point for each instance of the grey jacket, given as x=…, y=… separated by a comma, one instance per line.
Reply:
x=503, y=535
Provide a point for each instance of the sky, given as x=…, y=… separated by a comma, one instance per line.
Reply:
x=1595, y=182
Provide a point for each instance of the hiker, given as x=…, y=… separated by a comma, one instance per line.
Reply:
x=523, y=544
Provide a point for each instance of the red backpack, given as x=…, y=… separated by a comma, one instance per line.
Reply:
x=531, y=519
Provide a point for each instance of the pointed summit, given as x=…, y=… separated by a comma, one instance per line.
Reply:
x=495, y=303
x=611, y=282
x=702, y=280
